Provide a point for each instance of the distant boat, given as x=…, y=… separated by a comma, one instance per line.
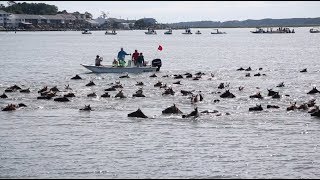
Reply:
x=113, y=32
x=168, y=32
x=187, y=31
x=151, y=31
x=314, y=30
x=198, y=32
x=280, y=30
x=258, y=30
x=218, y=32
x=86, y=31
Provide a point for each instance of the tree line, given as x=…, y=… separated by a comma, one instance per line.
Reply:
x=46, y=9
x=29, y=8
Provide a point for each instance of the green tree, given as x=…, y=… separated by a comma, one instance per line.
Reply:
x=115, y=25
x=140, y=24
x=112, y=24
x=32, y=8
x=63, y=12
x=10, y=3
x=2, y=6
x=104, y=15
x=88, y=15
x=76, y=13
x=144, y=23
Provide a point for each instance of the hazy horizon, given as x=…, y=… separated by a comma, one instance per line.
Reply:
x=177, y=11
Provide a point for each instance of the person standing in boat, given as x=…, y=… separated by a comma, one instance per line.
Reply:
x=140, y=60
x=121, y=55
x=98, y=60
x=135, y=56
x=115, y=63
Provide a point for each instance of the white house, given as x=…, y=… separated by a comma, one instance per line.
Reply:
x=100, y=20
x=126, y=25
x=92, y=22
x=15, y=19
x=4, y=18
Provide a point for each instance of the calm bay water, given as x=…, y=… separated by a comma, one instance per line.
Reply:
x=49, y=139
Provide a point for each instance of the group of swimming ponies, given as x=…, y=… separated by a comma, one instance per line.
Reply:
x=47, y=93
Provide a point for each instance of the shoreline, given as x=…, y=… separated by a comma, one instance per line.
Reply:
x=34, y=30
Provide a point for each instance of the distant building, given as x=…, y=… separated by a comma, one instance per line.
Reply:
x=125, y=26
x=74, y=20
x=69, y=19
x=119, y=23
x=4, y=18
x=100, y=20
x=17, y=20
x=92, y=23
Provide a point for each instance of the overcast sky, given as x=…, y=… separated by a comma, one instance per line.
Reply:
x=177, y=11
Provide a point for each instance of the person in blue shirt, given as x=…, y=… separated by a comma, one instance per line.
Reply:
x=121, y=56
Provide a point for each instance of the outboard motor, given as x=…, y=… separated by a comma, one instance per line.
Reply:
x=157, y=63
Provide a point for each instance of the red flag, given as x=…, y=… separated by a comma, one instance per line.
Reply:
x=160, y=48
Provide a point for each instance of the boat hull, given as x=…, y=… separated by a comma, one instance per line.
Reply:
x=111, y=69
x=257, y=32
x=218, y=33
x=150, y=33
x=272, y=32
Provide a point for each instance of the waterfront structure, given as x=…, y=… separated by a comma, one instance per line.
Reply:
x=4, y=18
x=44, y=21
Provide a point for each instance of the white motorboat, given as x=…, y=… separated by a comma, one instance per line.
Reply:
x=218, y=32
x=198, y=32
x=156, y=64
x=187, y=31
x=151, y=31
x=314, y=30
x=258, y=31
x=168, y=32
x=270, y=30
x=86, y=31
x=113, y=32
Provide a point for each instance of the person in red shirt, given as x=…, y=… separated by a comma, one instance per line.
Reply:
x=135, y=56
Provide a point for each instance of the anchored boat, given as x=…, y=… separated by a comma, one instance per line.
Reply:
x=314, y=30
x=86, y=31
x=270, y=30
x=113, y=32
x=168, y=32
x=198, y=32
x=218, y=32
x=151, y=31
x=187, y=31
